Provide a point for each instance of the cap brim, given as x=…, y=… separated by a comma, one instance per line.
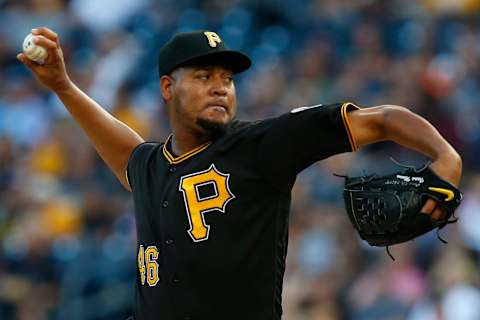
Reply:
x=230, y=59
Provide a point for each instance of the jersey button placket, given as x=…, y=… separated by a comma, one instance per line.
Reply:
x=175, y=278
x=172, y=169
x=165, y=204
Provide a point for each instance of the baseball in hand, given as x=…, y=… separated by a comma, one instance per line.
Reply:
x=32, y=51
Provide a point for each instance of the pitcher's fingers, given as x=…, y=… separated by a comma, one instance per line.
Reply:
x=24, y=59
x=46, y=32
x=438, y=214
x=45, y=42
x=428, y=206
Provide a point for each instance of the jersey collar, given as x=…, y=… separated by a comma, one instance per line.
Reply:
x=174, y=159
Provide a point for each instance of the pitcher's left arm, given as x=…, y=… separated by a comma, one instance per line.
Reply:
x=400, y=125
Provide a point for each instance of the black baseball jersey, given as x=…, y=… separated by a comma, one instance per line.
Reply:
x=212, y=223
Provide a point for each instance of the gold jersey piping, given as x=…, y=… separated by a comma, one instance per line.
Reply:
x=346, y=123
x=175, y=160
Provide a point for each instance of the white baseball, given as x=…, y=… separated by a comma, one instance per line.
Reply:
x=32, y=51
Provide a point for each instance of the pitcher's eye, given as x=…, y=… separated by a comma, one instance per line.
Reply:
x=202, y=76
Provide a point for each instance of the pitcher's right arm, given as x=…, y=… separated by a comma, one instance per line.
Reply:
x=113, y=140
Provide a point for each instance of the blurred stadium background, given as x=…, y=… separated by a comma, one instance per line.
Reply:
x=67, y=236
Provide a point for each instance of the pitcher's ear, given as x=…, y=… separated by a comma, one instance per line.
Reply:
x=166, y=87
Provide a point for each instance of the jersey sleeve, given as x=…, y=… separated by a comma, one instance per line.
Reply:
x=296, y=140
x=137, y=163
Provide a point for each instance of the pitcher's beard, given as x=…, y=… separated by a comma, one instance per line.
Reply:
x=213, y=130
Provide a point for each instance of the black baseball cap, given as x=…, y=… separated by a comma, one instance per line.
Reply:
x=198, y=48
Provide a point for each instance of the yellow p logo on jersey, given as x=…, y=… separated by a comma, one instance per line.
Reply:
x=197, y=205
x=212, y=38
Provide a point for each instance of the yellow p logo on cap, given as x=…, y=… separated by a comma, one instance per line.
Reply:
x=212, y=38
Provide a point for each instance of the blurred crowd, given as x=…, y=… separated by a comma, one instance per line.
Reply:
x=67, y=235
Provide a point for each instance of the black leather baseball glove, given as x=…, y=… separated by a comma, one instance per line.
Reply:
x=385, y=210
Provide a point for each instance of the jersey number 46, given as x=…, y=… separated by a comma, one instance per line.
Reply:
x=147, y=265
